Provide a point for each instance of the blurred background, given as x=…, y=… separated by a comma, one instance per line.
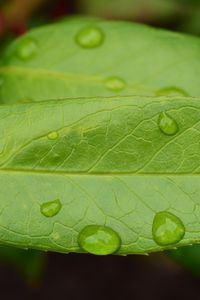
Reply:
x=29, y=274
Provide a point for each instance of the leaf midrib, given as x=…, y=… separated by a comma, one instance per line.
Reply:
x=98, y=174
x=64, y=76
x=45, y=72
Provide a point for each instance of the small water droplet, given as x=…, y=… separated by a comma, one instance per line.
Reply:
x=172, y=91
x=167, y=229
x=27, y=49
x=90, y=37
x=115, y=84
x=51, y=208
x=53, y=135
x=55, y=236
x=167, y=124
x=99, y=240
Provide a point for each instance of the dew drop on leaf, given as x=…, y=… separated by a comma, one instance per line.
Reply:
x=90, y=37
x=115, y=84
x=53, y=135
x=167, y=229
x=51, y=208
x=167, y=124
x=99, y=240
x=172, y=91
x=27, y=49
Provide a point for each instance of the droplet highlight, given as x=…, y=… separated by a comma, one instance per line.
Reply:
x=115, y=84
x=172, y=91
x=51, y=208
x=167, y=124
x=27, y=49
x=90, y=37
x=53, y=135
x=99, y=240
x=167, y=229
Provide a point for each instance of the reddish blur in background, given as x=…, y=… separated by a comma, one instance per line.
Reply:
x=35, y=275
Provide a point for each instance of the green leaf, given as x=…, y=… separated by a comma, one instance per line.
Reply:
x=50, y=63
x=29, y=262
x=100, y=161
x=188, y=257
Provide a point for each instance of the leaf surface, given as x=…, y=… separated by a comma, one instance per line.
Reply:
x=108, y=163
x=148, y=62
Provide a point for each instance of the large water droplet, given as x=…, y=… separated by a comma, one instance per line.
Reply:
x=167, y=229
x=90, y=37
x=99, y=240
x=167, y=124
x=172, y=91
x=53, y=135
x=27, y=49
x=115, y=84
x=51, y=208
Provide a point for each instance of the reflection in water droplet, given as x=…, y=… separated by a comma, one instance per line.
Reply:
x=115, y=84
x=27, y=49
x=167, y=124
x=172, y=91
x=90, y=37
x=51, y=208
x=167, y=229
x=53, y=135
x=99, y=240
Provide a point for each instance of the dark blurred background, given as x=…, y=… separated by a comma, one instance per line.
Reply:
x=26, y=274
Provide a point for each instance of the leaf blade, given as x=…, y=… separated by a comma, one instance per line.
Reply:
x=118, y=194
x=61, y=68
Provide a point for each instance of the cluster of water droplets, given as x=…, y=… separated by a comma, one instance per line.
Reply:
x=90, y=37
x=167, y=228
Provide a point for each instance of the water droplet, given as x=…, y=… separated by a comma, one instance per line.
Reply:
x=90, y=37
x=53, y=135
x=51, y=208
x=115, y=84
x=99, y=240
x=167, y=229
x=27, y=49
x=172, y=91
x=167, y=124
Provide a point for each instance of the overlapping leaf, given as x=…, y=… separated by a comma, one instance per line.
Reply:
x=147, y=60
